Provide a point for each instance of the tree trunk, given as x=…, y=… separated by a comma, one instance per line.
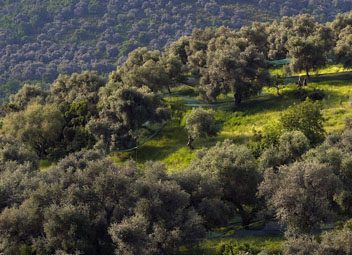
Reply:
x=168, y=89
x=307, y=72
x=305, y=81
x=238, y=98
x=245, y=216
x=278, y=91
x=299, y=83
x=190, y=142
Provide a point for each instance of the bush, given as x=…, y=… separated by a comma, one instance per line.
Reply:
x=291, y=146
x=201, y=123
x=307, y=118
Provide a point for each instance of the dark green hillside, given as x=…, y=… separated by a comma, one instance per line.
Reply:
x=40, y=39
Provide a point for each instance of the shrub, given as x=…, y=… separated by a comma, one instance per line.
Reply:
x=307, y=118
x=201, y=123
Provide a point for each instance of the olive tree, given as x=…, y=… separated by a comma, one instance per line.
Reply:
x=291, y=146
x=162, y=218
x=301, y=245
x=38, y=126
x=309, y=44
x=25, y=96
x=233, y=65
x=61, y=214
x=76, y=88
x=123, y=112
x=337, y=242
x=200, y=123
x=234, y=168
x=301, y=194
x=77, y=97
x=307, y=118
x=343, y=49
x=206, y=197
x=145, y=68
x=11, y=150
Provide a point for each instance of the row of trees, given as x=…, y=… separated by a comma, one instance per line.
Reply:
x=85, y=205
x=79, y=112
x=237, y=61
x=83, y=110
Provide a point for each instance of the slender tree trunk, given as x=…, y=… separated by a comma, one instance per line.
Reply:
x=245, y=216
x=305, y=81
x=307, y=72
x=278, y=91
x=168, y=89
x=190, y=142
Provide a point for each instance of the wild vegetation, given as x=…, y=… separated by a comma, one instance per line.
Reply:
x=101, y=165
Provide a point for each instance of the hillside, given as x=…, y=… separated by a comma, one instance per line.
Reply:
x=226, y=142
x=41, y=39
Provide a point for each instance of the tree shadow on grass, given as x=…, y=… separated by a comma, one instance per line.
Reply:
x=170, y=146
x=334, y=77
x=270, y=102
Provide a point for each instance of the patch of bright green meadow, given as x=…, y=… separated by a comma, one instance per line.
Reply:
x=239, y=124
x=329, y=69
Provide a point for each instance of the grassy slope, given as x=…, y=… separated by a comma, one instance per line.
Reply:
x=239, y=124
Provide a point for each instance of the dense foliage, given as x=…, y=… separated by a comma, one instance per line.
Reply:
x=86, y=204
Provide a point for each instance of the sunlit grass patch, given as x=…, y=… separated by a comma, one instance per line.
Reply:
x=240, y=124
x=45, y=164
x=329, y=69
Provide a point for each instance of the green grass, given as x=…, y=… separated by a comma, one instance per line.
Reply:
x=329, y=69
x=45, y=164
x=168, y=146
x=272, y=245
x=240, y=124
x=220, y=238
